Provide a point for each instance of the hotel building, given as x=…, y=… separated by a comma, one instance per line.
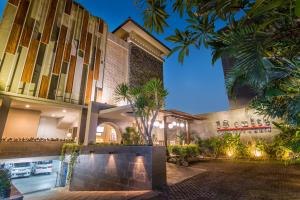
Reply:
x=59, y=67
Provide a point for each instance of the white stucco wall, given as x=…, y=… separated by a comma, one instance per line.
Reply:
x=236, y=117
x=48, y=129
x=116, y=67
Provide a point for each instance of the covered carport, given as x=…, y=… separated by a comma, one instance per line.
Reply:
x=35, y=182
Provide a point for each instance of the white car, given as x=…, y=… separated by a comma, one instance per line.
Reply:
x=20, y=169
x=42, y=167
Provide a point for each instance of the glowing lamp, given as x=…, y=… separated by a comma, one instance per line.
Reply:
x=170, y=126
x=162, y=125
x=156, y=124
x=181, y=125
x=257, y=153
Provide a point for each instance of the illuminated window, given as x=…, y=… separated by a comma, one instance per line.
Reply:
x=100, y=130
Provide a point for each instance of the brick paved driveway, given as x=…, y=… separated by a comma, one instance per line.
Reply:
x=232, y=180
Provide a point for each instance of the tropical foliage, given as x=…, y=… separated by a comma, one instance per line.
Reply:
x=131, y=137
x=183, y=153
x=145, y=102
x=261, y=37
x=5, y=183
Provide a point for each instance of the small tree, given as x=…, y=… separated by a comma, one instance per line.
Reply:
x=145, y=102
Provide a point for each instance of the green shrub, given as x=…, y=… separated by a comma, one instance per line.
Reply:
x=210, y=147
x=184, y=151
x=5, y=183
x=131, y=137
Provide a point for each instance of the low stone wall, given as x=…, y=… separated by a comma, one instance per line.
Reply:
x=119, y=168
x=30, y=149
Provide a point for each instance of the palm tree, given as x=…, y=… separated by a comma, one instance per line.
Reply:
x=145, y=101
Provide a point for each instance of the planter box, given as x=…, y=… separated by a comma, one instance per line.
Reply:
x=29, y=149
x=119, y=168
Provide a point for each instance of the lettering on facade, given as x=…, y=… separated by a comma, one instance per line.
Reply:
x=246, y=126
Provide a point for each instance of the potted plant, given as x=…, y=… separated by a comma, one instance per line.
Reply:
x=5, y=183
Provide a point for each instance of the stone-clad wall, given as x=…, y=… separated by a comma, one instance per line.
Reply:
x=119, y=168
x=143, y=66
x=116, y=67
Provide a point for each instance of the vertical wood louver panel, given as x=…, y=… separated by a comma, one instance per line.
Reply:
x=30, y=61
x=97, y=64
x=68, y=7
x=27, y=32
x=88, y=48
x=16, y=30
x=49, y=22
x=14, y=2
x=101, y=26
x=67, y=52
x=71, y=74
x=60, y=50
x=44, y=87
x=89, y=87
x=84, y=29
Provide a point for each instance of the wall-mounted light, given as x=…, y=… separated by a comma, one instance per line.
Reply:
x=137, y=154
x=181, y=125
x=64, y=111
x=156, y=124
x=69, y=135
x=170, y=126
x=27, y=106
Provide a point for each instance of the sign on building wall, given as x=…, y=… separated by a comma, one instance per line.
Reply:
x=254, y=125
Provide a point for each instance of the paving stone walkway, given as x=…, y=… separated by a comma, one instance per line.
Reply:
x=175, y=174
x=229, y=180
x=208, y=180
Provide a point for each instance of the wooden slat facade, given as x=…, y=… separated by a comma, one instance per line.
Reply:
x=68, y=7
x=84, y=29
x=87, y=53
x=49, y=22
x=101, y=26
x=13, y=40
x=60, y=50
x=89, y=84
x=67, y=52
x=44, y=87
x=45, y=52
x=30, y=61
x=71, y=74
x=15, y=33
x=27, y=32
x=97, y=64
x=14, y=2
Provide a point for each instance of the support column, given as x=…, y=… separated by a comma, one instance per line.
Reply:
x=4, y=109
x=92, y=121
x=82, y=126
x=165, y=131
x=91, y=124
x=188, y=135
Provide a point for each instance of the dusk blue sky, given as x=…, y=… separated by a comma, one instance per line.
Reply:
x=194, y=87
